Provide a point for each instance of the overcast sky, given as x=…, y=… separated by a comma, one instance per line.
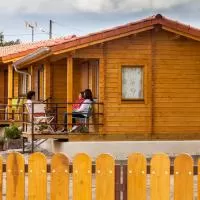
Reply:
x=85, y=16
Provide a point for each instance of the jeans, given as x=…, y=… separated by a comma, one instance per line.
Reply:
x=74, y=115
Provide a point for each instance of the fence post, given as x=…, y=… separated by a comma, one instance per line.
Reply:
x=15, y=180
x=183, y=177
x=37, y=177
x=160, y=177
x=105, y=177
x=59, y=177
x=82, y=177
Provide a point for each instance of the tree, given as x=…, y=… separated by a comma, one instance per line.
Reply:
x=7, y=43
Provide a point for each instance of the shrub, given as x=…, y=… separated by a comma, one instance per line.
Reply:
x=12, y=132
x=2, y=140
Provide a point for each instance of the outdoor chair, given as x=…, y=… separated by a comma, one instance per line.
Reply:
x=16, y=108
x=40, y=118
x=83, y=123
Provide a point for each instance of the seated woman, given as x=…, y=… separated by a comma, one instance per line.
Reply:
x=39, y=107
x=82, y=111
x=30, y=98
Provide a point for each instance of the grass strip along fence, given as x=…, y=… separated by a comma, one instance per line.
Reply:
x=73, y=180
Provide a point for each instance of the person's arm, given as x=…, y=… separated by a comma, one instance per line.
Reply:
x=82, y=108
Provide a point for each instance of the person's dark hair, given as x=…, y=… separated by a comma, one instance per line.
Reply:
x=82, y=94
x=88, y=94
x=30, y=94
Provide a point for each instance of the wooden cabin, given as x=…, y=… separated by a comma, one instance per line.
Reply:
x=144, y=75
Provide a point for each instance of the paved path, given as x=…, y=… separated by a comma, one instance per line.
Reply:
x=121, y=150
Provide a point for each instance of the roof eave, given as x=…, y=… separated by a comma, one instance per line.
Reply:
x=83, y=42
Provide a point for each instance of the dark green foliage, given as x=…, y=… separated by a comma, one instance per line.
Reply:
x=12, y=132
x=2, y=140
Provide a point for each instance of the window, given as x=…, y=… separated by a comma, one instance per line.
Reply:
x=23, y=84
x=132, y=83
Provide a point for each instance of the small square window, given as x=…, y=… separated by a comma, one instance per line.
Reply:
x=132, y=83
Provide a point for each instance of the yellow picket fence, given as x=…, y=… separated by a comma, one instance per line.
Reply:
x=33, y=177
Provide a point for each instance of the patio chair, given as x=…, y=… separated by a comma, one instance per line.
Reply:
x=83, y=123
x=40, y=117
x=16, y=108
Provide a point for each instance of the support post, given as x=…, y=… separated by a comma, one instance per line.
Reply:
x=69, y=89
x=102, y=85
x=47, y=80
x=10, y=90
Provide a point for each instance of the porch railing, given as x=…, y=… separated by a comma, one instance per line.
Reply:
x=57, y=110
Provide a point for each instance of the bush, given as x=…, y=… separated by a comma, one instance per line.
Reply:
x=12, y=132
x=2, y=140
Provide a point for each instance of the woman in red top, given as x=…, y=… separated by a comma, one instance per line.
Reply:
x=78, y=102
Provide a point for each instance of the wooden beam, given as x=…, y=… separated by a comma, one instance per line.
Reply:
x=181, y=33
x=102, y=83
x=10, y=89
x=63, y=50
x=30, y=70
x=69, y=88
x=47, y=80
x=175, y=37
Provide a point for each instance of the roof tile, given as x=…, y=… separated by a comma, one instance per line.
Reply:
x=14, y=49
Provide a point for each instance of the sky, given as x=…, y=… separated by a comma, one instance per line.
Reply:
x=81, y=17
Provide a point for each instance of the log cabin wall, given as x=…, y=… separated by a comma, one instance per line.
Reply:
x=127, y=117
x=171, y=108
x=177, y=86
x=123, y=117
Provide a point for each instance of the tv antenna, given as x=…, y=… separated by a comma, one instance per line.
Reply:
x=32, y=26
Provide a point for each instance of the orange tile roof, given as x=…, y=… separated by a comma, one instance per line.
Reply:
x=60, y=44
x=25, y=48
x=130, y=27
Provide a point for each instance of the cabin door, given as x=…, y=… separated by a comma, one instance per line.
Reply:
x=90, y=77
x=40, y=83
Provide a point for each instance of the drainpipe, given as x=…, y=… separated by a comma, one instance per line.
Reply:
x=32, y=56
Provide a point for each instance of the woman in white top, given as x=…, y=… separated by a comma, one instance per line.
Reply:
x=81, y=112
x=30, y=98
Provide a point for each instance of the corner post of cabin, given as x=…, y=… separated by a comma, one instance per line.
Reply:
x=69, y=89
x=30, y=83
x=47, y=80
x=10, y=89
x=102, y=86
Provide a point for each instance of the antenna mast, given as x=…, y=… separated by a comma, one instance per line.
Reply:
x=32, y=28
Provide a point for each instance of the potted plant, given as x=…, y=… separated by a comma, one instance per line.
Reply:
x=43, y=128
x=13, y=137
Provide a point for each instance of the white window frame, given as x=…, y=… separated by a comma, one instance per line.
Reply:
x=23, y=88
x=139, y=93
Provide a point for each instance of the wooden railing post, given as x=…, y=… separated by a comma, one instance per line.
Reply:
x=10, y=89
x=47, y=80
x=69, y=89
